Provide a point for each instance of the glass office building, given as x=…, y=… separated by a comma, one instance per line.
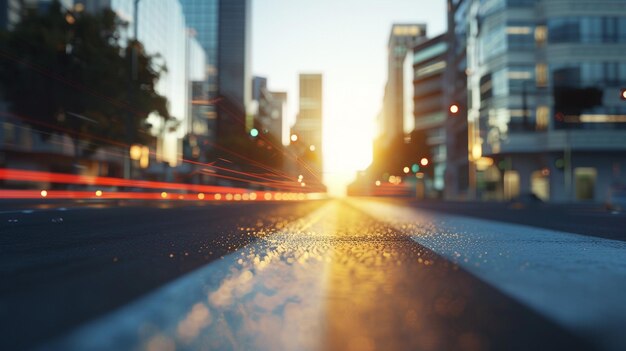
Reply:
x=223, y=29
x=544, y=110
x=202, y=16
x=162, y=29
x=457, y=175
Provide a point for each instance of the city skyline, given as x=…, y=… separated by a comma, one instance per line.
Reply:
x=287, y=41
x=173, y=172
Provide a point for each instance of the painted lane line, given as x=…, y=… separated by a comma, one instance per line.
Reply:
x=247, y=301
x=576, y=280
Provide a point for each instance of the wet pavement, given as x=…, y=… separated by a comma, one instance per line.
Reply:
x=331, y=277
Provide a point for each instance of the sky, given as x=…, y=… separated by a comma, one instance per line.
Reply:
x=346, y=41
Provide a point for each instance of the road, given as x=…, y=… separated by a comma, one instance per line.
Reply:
x=338, y=275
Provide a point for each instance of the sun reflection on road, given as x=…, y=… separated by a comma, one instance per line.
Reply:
x=336, y=279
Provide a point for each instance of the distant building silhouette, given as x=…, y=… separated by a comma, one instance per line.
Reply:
x=402, y=39
x=268, y=110
x=308, y=127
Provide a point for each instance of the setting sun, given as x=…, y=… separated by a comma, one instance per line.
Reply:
x=347, y=149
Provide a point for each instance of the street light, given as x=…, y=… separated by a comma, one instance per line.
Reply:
x=424, y=161
x=294, y=137
x=454, y=109
x=135, y=152
x=623, y=94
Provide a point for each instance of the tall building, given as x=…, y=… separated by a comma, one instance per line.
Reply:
x=544, y=110
x=402, y=39
x=200, y=130
x=234, y=56
x=202, y=16
x=457, y=175
x=308, y=127
x=268, y=110
x=224, y=30
x=280, y=105
x=429, y=64
x=162, y=30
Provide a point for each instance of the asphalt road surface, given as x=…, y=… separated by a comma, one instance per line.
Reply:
x=318, y=275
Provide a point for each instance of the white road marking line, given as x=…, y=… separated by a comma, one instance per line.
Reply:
x=576, y=280
x=246, y=301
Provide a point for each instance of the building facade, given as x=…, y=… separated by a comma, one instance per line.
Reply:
x=402, y=39
x=268, y=110
x=224, y=31
x=457, y=175
x=429, y=64
x=308, y=127
x=544, y=111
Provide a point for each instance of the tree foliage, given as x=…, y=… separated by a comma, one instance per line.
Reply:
x=69, y=73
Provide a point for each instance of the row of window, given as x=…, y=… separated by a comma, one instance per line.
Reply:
x=589, y=74
x=587, y=30
x=516, y=79
x=488, y=7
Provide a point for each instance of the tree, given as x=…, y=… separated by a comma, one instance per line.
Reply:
x=66, y=72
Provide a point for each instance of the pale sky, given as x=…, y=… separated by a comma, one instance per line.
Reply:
x=346, y=41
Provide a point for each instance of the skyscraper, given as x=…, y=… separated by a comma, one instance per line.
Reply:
x=202, y=16
x=455, y=93
x=308, y=127
x=268, y=110
x=224, y=30
x=429, y=64
x=402, y=39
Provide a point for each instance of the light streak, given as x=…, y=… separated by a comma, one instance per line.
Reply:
x=126, y=195
x=62, y=178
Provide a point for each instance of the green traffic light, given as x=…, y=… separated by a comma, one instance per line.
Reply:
x=415, y=168
x=254, y=132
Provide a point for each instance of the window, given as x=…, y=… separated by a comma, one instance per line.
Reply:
x=541, y=74
x=500, y=83
x=542, y=117
x=520, y=36
x=587, y=30
x=493, y=43
x=541, y=35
